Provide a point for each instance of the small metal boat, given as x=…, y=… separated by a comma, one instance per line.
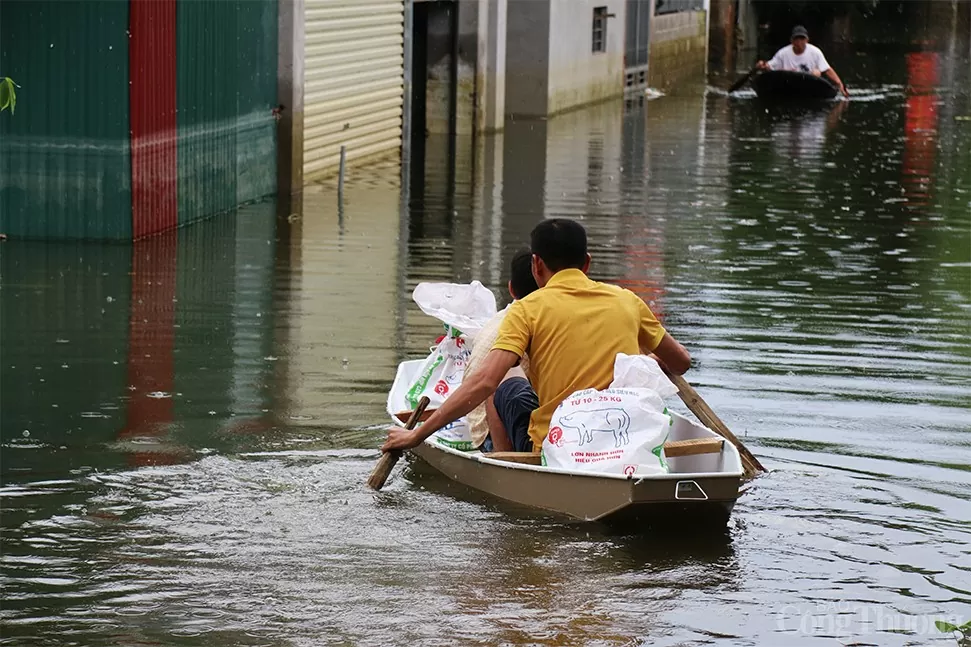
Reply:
x=700, y=488
x=786, y=85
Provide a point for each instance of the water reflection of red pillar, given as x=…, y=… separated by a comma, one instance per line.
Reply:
x=920, y=126
x=645, y=268
x=151, y=340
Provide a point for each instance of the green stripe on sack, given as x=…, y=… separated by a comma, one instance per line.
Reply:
x=461, y=445
x=659, y=451
x=414, y=393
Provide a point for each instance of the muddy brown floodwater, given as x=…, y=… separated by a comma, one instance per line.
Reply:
x=188, y=423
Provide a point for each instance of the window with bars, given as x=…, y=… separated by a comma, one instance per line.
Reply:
x=599, y=29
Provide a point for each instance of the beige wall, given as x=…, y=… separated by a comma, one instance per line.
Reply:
x=678, y=48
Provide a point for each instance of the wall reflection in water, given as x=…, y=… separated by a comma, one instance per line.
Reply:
x=155, y=350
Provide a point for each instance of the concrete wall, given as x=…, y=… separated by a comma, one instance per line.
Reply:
x=490, y=82
x=678, y=48
x=747, y=36
x=439, y=72
x=577, y=75
x=550, y=65
x=468, y=24
x=527, y=57
x=721, y=36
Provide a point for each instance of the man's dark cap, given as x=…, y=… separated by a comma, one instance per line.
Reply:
x=799, y=31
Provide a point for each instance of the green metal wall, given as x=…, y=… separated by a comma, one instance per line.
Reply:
x=65, y=165
x=64, y=155
x=226, y=90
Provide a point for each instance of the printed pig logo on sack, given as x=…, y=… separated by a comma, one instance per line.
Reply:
x=609, y=431
x=585, y=423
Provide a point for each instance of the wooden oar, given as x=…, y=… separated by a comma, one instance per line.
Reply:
x=388, y=459
x=750, y=464
x=743, y=80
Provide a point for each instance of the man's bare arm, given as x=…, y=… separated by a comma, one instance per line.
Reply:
x=834, y=77
x=471, y=394
x=672, y=355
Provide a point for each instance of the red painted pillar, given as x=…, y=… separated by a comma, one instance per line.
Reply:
x=154, y=130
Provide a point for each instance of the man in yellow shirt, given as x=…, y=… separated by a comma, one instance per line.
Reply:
x=572, y=328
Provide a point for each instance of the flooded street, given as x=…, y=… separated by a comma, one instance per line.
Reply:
x=187, y=423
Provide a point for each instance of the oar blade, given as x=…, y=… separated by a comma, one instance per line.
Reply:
x=386, y=463
x=742, y=81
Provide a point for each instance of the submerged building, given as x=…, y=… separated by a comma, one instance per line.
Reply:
x=139, y=116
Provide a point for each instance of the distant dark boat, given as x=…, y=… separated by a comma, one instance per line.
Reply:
x=783, y=85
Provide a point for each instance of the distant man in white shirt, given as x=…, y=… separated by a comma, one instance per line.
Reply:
x=800, y=56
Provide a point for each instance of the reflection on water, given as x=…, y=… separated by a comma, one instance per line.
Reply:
x=188, y=422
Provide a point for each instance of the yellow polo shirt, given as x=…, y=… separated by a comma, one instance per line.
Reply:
x=572, y=330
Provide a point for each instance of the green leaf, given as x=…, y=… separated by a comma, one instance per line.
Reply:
x=965, y=627
x=945, y=627
x=8, y=94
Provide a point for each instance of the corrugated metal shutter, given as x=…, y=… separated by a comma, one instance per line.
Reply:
x=353, y=81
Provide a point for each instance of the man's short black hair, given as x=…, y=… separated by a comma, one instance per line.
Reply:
x=560, y=243
x=521, y=279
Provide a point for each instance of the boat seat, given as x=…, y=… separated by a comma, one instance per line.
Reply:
x=529, y=458
x=693, y=446
x=672, y=449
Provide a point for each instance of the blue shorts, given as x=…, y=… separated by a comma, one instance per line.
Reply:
x=515, y=400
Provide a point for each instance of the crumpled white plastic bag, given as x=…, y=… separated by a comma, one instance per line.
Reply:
x=465, y=306
x=641, y=372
